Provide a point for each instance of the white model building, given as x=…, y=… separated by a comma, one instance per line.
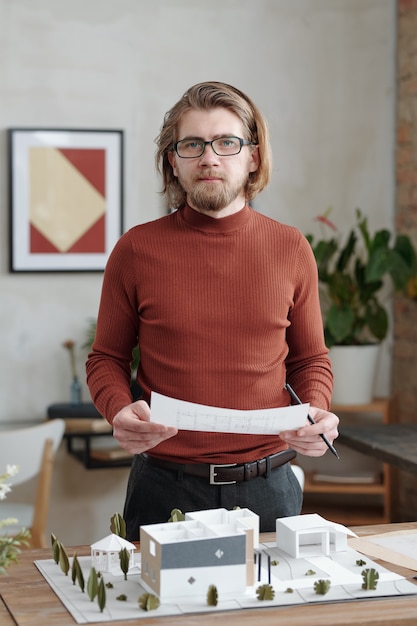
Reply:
x=105, y=553
x=213, y=547
x=303, y=536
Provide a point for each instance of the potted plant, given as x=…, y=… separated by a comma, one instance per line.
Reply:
x=353, y=276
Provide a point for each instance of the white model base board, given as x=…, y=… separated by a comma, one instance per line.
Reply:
x=341, y=569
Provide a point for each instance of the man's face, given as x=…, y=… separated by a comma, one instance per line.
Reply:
x=215, y=185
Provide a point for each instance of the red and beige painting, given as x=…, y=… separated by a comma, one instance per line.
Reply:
x=67, y=200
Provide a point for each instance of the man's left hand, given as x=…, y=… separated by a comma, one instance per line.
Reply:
x=307, y=440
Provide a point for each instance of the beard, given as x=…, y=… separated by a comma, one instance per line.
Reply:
x=212, y=197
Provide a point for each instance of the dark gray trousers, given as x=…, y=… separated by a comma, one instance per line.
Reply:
x=152, y=493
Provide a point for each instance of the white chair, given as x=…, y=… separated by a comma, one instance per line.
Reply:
x=32, y=449
x=299, y=473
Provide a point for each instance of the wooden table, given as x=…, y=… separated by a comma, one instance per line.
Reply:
x=395, y=444
x=27, y=600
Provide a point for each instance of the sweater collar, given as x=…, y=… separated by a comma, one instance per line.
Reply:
x=223, y=225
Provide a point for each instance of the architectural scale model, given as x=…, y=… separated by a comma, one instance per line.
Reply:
x=310, y=535
x=209, y=547
x=105, y=554
x=310, y=561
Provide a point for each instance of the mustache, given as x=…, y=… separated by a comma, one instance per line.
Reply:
x=208, y=174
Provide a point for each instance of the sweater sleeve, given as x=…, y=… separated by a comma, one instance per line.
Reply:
x=108, y=364
x=308, y=366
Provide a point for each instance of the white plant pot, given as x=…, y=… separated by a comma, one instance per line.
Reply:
x=354, y=370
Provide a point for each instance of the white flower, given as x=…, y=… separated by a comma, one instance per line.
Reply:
x=9, y=521
x=12, y=470
x=10, y=546
x=4, y=489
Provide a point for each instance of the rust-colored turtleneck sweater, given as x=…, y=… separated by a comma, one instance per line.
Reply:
x=225, y=311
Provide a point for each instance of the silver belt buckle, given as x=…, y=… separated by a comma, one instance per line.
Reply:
x=213, y=475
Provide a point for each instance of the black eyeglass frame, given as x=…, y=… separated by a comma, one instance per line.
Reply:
x=242, y=142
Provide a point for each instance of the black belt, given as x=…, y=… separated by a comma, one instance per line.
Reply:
x=229, y=473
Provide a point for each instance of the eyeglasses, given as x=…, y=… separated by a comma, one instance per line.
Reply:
x=223, y=146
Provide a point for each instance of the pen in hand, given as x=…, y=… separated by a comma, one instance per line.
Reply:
x=296, y=399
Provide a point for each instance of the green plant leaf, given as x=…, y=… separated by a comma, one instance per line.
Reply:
x=124, y=557
x=92, y=584
x=118, y=525
x=55, y=549
x=340, y=320
x=73, y=569
x=321, y=587
x=380, y=240
x=376, y=319
x=212, y=596
x=405, y=249
x=324, y=252
x=401, y=269
x=78, y=572
x=101, y=595
x=148, y=602
x=265, y=592
x=370, y=579
x=378, y=264
x=362, y=224
x=176, y=516
x=346, y=252
x=63, y=559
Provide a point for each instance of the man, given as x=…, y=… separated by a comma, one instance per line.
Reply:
x=223, y=303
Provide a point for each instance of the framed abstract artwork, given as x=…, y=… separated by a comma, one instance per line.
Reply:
x=66, y=198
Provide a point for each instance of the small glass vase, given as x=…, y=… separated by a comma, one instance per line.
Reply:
x=75, y=391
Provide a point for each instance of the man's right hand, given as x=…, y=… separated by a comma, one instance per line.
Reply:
x=135, y=432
